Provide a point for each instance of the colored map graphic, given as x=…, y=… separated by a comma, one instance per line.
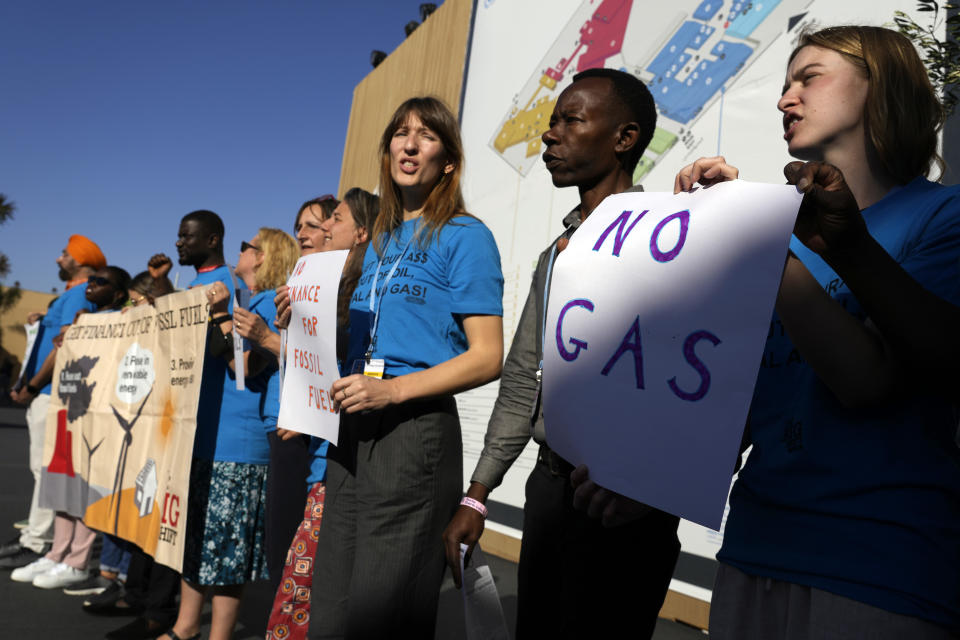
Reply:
x=687, y=53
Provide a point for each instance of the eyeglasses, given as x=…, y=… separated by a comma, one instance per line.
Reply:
x=246, y=245
x=98, y=280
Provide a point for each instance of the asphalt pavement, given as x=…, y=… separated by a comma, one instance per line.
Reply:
x=27, y=612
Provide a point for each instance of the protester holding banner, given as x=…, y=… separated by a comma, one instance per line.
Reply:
x=265, y=263
x=108, y=289
x=572, y=566
x=66, y=563
x=73, y=539
x=225, y=512
x=347, y=228
x=845, y=519
x=430, y=296
x=68, y=556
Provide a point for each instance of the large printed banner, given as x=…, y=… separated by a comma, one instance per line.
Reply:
x=658, y=313
x=311, y=358
x=122, y=418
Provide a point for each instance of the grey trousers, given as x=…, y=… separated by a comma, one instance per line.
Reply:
x=393, y=483
x=746, y=606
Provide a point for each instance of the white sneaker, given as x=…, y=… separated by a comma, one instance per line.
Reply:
x=60, y=576
x=32, y=570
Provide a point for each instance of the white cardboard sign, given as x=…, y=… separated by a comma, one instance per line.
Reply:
x=311, y=354
x=659, y=309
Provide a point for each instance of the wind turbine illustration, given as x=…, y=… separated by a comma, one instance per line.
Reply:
x=122, y=461
x=90, y=452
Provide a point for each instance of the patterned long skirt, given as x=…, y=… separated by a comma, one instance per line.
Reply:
x=290, y=615
x=225, y=523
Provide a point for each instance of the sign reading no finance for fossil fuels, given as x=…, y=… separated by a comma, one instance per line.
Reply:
x=311, y=358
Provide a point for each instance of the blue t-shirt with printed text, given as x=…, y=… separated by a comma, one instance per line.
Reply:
x=62, y=312
x=421, y=307
x=863, y=503
x=229, y=422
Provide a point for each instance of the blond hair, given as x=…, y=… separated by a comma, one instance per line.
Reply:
x=280, y=254
x=902, y=113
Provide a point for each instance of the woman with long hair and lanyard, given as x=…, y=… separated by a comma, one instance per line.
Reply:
x=430, y=302
x=845, y=519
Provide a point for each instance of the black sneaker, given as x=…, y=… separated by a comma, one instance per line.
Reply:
x=11, y=547
x=139, y=629
x=89, y=587
x=110, y=602
x=21, y=558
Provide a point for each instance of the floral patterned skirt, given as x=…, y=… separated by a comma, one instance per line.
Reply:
x=225, y=523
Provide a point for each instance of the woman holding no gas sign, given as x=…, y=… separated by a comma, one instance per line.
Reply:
x=845, y=519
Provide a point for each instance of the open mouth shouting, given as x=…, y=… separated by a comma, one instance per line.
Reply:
x=790, y=121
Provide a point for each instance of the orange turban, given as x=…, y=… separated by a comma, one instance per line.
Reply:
x=86, y=252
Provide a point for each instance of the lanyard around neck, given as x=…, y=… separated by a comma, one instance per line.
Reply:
x=374, y=302
x=546, y=292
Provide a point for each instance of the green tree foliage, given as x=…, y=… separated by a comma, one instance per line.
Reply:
x=942, y=57
x=8, y=295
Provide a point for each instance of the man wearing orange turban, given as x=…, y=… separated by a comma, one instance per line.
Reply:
x=77, y=262
x=86, y=252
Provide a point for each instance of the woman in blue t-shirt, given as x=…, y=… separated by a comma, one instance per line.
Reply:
x=429, y=303
x=845, y=520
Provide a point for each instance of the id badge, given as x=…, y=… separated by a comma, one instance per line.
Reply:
x=370, y=367
x=373, y=368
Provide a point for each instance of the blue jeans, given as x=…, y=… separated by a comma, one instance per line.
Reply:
x=115, y=555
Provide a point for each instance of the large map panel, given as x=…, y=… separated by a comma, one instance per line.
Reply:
x=702, y=48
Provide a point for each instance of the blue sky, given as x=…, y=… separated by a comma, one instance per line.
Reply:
x=116, y=118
